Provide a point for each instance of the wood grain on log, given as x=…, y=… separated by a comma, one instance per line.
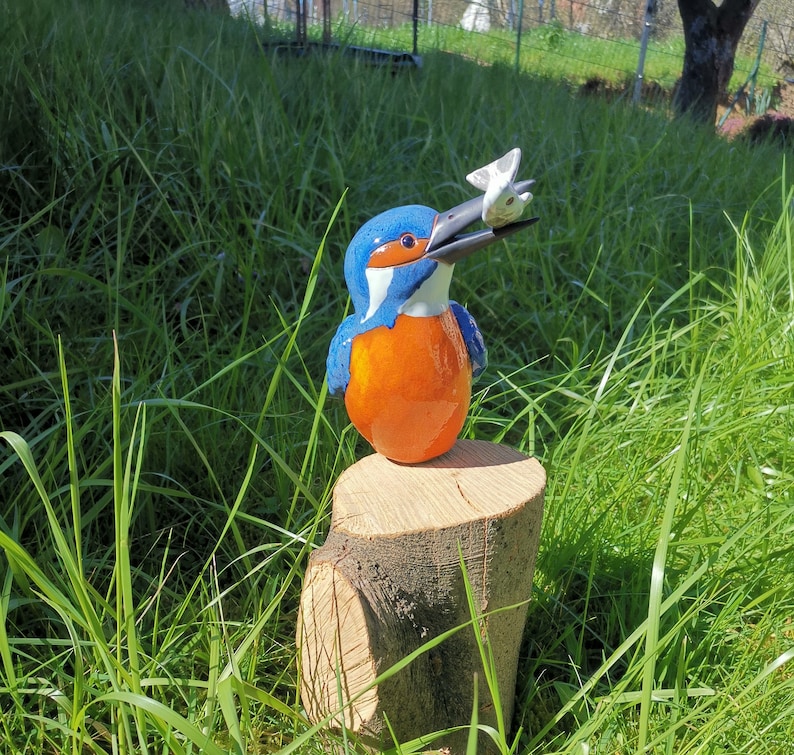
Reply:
x=389, y=579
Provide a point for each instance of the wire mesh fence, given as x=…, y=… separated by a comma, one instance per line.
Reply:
x=613, y=39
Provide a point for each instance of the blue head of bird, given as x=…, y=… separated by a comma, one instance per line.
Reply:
x=388, y=271
x=400, y=263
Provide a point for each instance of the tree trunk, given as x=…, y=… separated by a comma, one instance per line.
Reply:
x=711, y=36
x=389, y=579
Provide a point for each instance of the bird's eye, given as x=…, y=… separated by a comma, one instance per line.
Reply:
x=408, y=240
x=510, y=201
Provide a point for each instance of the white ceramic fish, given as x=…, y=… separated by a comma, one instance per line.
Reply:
x=502, y=204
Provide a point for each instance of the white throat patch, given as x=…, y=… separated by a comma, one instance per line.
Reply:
x=432, y=297
x=378, y=280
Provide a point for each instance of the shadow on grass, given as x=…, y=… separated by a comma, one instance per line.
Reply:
x=575, y=622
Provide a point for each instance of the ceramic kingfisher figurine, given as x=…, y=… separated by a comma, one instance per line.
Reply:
x=405, y=360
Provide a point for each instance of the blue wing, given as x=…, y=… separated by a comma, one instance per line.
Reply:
x=472, y=337
x=338, y=362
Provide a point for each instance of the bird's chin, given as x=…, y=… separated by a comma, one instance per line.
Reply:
x=432, y=296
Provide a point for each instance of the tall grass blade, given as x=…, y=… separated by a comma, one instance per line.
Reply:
x=659, y=565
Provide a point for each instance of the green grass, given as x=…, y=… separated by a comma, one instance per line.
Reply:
x=174, y=207
x=548, y=50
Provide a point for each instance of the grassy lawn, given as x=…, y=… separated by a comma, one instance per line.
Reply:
x=549, y=50
x=174, y=208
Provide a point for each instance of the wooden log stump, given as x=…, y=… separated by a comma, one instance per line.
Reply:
x=389, y=579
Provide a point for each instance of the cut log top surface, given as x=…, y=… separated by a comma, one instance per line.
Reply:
x=474, y=481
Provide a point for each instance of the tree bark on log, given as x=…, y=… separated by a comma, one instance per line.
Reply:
x=389, y=579
x=711, y=36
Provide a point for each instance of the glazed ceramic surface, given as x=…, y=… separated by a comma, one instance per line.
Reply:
x=405, y=359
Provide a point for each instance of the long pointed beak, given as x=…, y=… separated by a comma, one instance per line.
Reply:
x=448, y=244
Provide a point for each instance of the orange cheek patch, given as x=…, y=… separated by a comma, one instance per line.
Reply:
x=394, y=253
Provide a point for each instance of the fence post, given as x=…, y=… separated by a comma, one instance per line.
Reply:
x=751, y=79
x=650, y=9
x=518, y=33
x=415, y=22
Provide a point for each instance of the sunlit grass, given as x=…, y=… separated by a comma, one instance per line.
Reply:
x=175, y=201
x=546, y=50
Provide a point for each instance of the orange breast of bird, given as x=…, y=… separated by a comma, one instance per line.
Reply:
x=410, y=386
